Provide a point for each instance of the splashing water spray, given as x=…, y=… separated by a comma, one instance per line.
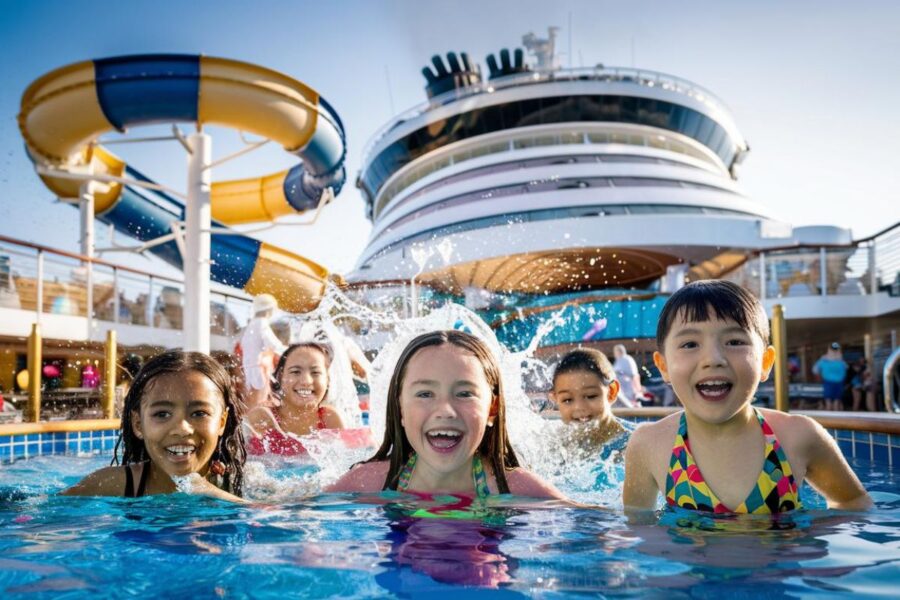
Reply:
x=339, y=321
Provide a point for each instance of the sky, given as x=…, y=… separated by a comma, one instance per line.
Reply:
x=813, y=87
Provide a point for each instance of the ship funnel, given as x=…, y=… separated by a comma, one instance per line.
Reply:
x=507, y=66
x=457, y=73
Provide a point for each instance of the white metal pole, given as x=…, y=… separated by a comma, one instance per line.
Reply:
x=86, y=210
x=762, y=276
x=40, y=286
x=198, y=221
x=823, y=271
x=873, y=275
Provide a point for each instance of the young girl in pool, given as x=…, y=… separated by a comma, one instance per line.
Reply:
x=713, y=340
x=446, y=426
x=301, y=384
x=179, y=420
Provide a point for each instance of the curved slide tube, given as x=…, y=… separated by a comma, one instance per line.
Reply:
x=65, y=111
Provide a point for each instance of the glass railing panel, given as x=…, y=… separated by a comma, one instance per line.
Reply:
x=222, y=320
x=887, y=262
x=746, y=276
x=134, y=298
x=168, y=307
x=848, y=271
x=18, y=277
x=792, y=273
x=64, y=286
x=104, y=296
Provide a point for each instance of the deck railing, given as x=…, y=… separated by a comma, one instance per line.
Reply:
x=50, y=281
x=865, y=267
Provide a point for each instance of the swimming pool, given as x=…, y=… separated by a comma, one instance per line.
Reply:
x=355, y=547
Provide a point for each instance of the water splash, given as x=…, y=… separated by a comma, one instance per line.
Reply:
x=374, y=324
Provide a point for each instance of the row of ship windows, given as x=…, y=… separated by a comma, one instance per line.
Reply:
x=512, y=165
x=548, y=214
x=545, y=111
x=660, y=142
x=553, y=184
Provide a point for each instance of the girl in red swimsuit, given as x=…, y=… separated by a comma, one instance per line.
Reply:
x=301, y=384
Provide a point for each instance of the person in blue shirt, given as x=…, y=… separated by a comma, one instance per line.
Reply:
x=833, y=370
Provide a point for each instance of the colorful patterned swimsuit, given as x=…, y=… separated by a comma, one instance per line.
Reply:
x=453, y=506
x=775, y=490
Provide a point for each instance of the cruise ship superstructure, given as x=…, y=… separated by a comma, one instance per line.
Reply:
x=534, y=180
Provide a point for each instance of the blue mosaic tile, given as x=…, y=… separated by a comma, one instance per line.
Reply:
x=879, y=438
x=5, y=452
x=72, y=447
x=846, y=447
x=880, y=454
x=895, y=454
x=59, y=446
x=843, y=434
x=34, y=437
x=46, y=447
x=34, y=449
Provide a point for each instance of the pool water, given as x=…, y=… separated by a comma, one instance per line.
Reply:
x=363, y=547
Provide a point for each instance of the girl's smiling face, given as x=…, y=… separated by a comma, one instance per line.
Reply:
x=445, y=403
x=582, y=396
x=181, y=417
x=304, y=381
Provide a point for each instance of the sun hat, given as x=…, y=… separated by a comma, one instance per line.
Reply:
x=263, y=303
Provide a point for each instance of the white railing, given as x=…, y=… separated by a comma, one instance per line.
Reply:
x=867, y=266
x=49, y=281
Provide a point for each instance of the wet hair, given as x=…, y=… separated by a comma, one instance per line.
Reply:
x=282, y=362
x=230, y=447
x=587, y=360
x=727, y=300
x=494, y=446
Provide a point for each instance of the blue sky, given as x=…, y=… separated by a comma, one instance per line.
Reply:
x=813, y=87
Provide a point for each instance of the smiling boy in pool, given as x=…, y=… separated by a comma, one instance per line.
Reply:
x=713, y=340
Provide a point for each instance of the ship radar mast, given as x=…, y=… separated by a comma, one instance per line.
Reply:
x=543, y=50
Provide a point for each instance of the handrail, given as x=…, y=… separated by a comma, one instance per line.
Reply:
x=890, y=365
x=59, y=426
x=84, y=258
x=636, y=76
x=877, y=235
x=100, y=261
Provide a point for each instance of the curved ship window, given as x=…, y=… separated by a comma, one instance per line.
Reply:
x=574, y=185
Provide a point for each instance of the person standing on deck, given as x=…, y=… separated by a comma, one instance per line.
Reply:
x=833, y=370
x=259, y=345
x=627, y=374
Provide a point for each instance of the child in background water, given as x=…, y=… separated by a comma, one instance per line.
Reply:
x=713, y=340
x=584, y=388
x=301, y=384
x=179, y=420
x=446, y=426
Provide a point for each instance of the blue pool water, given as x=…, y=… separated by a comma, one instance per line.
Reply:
x=363, y=547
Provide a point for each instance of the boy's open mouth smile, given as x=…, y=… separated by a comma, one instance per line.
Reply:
x=444, y=440
x=714, y=389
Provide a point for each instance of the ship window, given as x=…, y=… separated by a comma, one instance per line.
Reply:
x=551, y=110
